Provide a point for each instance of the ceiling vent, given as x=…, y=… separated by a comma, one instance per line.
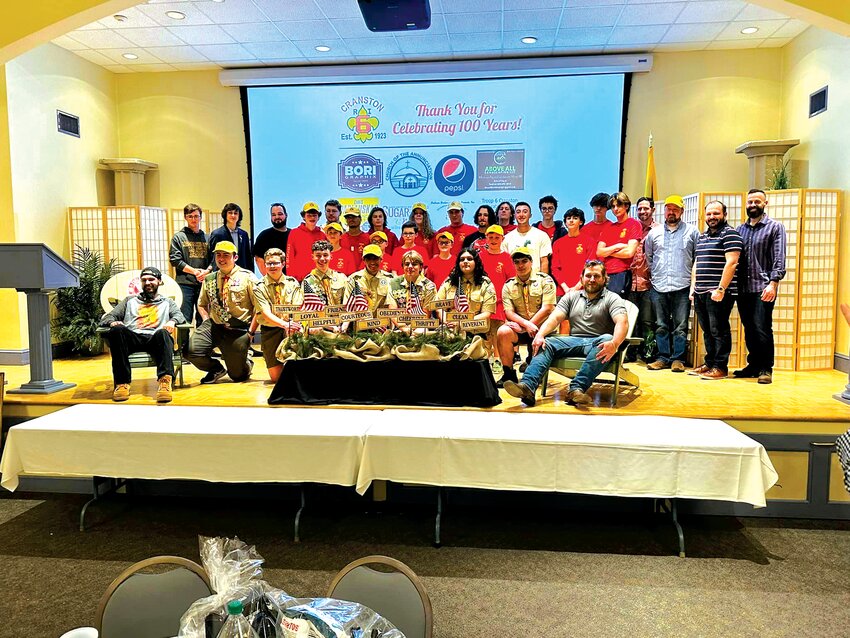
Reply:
x=396, y=15
x=67, y=123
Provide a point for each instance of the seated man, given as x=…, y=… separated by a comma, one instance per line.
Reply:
x=228, y=298
x=528, y=300
x=143, y=323
x=598, y=325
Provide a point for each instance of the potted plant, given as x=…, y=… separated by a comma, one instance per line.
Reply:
x=78, y=309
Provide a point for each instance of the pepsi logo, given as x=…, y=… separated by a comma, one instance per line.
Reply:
x=454, y=175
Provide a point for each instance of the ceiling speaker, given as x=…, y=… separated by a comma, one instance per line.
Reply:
x=396, y=15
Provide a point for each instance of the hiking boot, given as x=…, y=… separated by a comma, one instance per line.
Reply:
x=520, y=391
x=699, y=370
x=213, y=375
x=713, y=374
x=765, y=376
x=579, y=397
x=658, y=364
x=508, y=374
x=677, y=366
x=746, y=373
x=163, y=390
x=121, y=392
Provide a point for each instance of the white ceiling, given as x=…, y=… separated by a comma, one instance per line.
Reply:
x=251, y=33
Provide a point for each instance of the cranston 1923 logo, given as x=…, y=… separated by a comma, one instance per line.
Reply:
x=361, y=173
x=409, y=174
x=362, y=120
x=453, y=175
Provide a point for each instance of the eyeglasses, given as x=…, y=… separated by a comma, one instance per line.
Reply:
x=547, y=208
x=195, y=216
x=273, y=264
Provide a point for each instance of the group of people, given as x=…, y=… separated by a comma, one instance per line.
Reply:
x=527, y=282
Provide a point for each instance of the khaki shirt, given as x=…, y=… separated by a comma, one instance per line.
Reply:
x=235, y=308
x=330, y=284
x=269, y=293
x=481, y=298
x=525, y=299
x=375, y=288
x=400, y=288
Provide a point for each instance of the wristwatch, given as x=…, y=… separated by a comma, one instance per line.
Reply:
x=721, y=289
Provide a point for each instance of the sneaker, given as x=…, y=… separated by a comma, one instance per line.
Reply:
x=714, y=374
x=163, y=390
x=699, y=370
x=658, y=364
x=213, y=375
x=121, y=392
x=765, y=376
x=746, y=373
x=578, y=397
x=508, y=374
x=677, y=366
x=520, y=391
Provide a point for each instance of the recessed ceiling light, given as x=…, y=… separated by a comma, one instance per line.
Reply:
x=120, y=17
x=529, y=40
x=130, y=56
x=749, y=30
x=219, y=1
x=176, y=15
x=322, y=48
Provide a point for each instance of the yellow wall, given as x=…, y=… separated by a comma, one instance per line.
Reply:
x=814, y=59
x=699, y=107
x=191, y=126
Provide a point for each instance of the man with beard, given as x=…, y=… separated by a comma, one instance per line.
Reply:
x=143, y=323
x=714, y=286
x=764, y=258
x=598, y=326
x=274, y=237
x=332, y=210
x=669, y=250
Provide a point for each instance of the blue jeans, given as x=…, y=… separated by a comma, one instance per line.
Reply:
x=620, y=282
x=713, y=318
x=671, y=323
x=757, y=318
x=566, y=346
x=190, y=303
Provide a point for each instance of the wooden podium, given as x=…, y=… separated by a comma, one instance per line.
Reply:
x=36, y=270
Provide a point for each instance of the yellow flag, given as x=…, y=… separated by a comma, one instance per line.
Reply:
x=651, y=188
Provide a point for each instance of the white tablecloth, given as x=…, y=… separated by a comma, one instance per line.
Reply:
x=231, y=445
x=647, y=456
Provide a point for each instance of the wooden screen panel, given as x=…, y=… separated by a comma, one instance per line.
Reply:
x=818, y=280
x=123, y=236
x=784, y=206
x=153, y=225
x=86, y=226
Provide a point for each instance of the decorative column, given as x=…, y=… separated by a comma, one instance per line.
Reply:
x=765, y=156
x=129, y=179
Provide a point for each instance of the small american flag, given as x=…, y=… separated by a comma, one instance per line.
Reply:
x=414, y=303
x=313, y=301
x=357, y=302
x=461, y=300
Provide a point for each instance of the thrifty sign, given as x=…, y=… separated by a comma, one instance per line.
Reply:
x=391, y=312
x=459, y=316
x=442, y=304
x=424, y=323
x=354, y=316
x=476, y=324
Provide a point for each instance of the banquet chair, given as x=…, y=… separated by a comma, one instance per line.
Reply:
x=397, y=595
x=141, y=605
x=569, y=366
x=127, y=283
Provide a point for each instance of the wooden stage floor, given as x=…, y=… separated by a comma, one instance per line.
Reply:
x=796, y=402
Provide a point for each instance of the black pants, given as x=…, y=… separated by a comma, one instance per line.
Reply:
x=713, y=317
x=123, y=342
x=757, y=319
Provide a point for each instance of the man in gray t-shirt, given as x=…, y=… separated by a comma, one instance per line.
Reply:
x=598, y=325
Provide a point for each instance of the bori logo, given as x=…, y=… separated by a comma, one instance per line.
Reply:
x=453, y=175
x=360, y=173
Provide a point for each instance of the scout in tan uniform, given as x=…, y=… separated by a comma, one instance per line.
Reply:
x=273, y=291
x=528, y=300
x=228, y=297
x=323, y=280
x=372, y=282
x=424, y=291
x=480, y=294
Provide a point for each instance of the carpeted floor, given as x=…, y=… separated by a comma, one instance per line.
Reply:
x=515, y=571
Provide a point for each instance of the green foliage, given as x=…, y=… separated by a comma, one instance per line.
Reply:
x=78, y=309
x=447, y=342
x=303, y=345
x=780, y=178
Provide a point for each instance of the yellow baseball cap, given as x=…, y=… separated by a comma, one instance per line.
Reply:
x=676, y=200
x=335, y=226
x=379, y=233
x=455, y=205
x=308, y=206
x=419, y=205
x=447, y=235
x=352, y=211
x=521, y=250
x=225, y=247
x=372, y=250
x=495, y=228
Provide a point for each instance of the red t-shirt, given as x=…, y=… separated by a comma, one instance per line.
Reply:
x=392, y=240
x=355, y=244
x=592, y=230
x=499, y=268
x=568, y=257
x=439, y=269
x=395, y=262
x=421, y=241
x=459, y=233
x=549, y=231
x=508, y=228
x=342, y=260
x=620, y=233
x=299, y=250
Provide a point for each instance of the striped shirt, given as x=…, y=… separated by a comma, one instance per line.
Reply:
x=764, y=253
x=711, y=258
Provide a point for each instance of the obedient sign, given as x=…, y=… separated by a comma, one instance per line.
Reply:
x=391, y=312
x=354, y=316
